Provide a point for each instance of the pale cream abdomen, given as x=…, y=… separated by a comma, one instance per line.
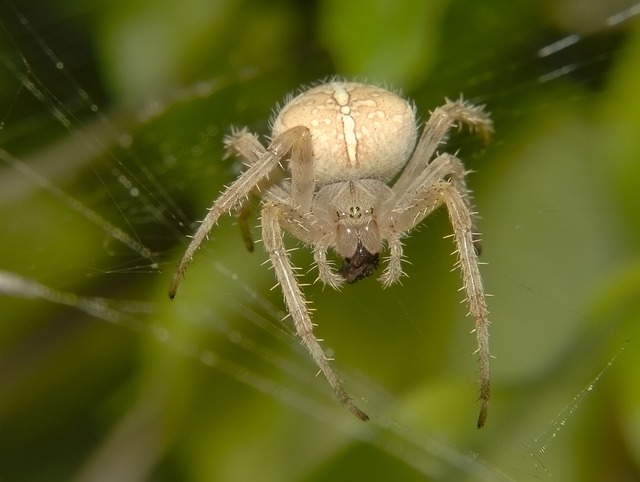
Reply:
x=357, y=130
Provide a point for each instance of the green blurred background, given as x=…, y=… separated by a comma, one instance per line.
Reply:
x=112, y=122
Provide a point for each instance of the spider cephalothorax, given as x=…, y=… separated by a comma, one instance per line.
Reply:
x=345, y=142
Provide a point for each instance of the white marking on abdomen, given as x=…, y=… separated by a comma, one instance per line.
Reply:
x=342, y=98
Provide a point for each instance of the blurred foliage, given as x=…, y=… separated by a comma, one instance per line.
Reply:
x=112, y=390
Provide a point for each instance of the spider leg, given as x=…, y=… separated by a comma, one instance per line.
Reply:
x=448, y=194
x=443, y=167
x=441, y=120
x=286, y=142
x=462, y=223
x=296, y=302
x=244, y=214
x=247, y=146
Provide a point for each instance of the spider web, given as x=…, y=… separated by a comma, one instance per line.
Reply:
x=100, y=185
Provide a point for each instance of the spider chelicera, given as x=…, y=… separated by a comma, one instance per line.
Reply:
x=343, y=143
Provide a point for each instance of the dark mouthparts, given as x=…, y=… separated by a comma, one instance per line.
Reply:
x=359, y=266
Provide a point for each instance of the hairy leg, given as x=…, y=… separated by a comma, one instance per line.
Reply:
x=297, y=304
x=286, y=142
x=432, y=197
x=441, y=120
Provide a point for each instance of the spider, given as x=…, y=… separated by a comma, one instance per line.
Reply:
x=345, y=142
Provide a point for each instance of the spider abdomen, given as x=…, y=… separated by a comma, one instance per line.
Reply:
x=357, y=130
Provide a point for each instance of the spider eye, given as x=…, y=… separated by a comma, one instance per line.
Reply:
x=359, y=266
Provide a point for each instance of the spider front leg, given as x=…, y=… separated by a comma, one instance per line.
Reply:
x=432, y=197
x=445, y=166
x=462, y=222
x=296, y=303
x=247, y=147
x=295, y=141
